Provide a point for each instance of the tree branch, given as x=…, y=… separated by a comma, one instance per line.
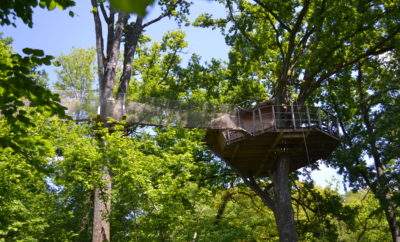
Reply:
x=156, y=19
x=103, y=11
x=377, y=49
x=163, y=15
x=265, y=197
x=241, y=30
x=99, y=41
x=276, y=16
x=277, y=35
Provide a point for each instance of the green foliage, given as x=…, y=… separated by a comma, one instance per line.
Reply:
x=160, y=74
x=367, y=105
x=10, y=10
x=76, y=75
x=295, y=47
x=20, y=87
x=128, y=6
x=321, y=214
x=370, y=224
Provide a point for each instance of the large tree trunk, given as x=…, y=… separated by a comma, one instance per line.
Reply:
x=282, y=198
x=102, y=206
x=382, y=192
x=391, y=219
x=106, y=74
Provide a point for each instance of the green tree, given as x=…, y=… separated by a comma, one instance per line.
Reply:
x=122, y=29
x=295, y=47
x=370, y=220
x=76, y=74
x=366, y=101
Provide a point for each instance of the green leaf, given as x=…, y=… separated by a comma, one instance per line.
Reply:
x=130, y=6
x=35, y=52
x=52, y=5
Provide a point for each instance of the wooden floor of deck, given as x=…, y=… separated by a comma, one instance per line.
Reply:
x=256, y=155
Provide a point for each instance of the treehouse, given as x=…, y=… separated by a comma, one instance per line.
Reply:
x=249, y=139
x=262, y=133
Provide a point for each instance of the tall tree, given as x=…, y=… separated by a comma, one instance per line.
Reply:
x=295, y=47
x=366, y=99
x=120, y=29
x=76, y=75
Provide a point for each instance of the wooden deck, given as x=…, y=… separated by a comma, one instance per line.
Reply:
x=264, y=137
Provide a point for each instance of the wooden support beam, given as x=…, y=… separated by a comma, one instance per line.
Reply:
x=269, y=152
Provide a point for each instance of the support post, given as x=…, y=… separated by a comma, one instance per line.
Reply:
x=293, y=116
x=308, y=117
x=261, y=121
x=337, y=126
x=254, y=121
x=238, y=118
x=273, y=117
x=319, y=118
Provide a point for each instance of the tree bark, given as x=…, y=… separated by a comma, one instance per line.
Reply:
x=132, y=35
x=101, y=211
x=283, y=206
x=106, y=74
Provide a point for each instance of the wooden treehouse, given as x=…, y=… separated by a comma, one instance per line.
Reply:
x=266, y=131
x=250, y=140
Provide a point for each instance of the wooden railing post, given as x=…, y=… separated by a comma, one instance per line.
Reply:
x=293, y=116
x=308, y=117
x=319, y=118
x=238, y=118
x=337, y=126
x=329, y=123
x=254, y=121
x=261, y=121
x=273, y=117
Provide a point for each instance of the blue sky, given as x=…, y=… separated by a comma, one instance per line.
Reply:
x=56, y=33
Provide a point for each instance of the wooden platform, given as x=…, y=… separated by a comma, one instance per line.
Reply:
x=256, y=154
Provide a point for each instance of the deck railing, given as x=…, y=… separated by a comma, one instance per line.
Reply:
x=236, y=122
x=304, y=117
x=281, y=118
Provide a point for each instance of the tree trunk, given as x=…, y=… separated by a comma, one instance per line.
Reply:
x=283, y=206
x=391, y=219
x=102, y=206
x=132, y=36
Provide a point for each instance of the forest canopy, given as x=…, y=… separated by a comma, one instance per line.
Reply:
x=89, y=174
